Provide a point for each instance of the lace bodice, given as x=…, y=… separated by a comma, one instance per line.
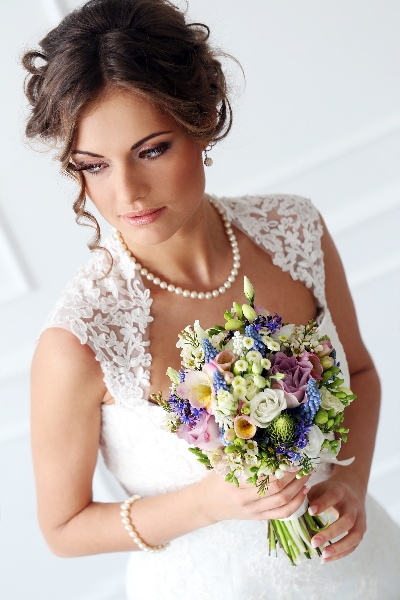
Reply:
x=111, y=315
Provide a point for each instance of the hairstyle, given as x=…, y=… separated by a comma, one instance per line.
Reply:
x=145, y=46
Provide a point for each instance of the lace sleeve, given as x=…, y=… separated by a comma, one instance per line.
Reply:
x=111, y=316
x=289, y=229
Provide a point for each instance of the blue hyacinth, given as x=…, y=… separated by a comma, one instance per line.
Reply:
x=209, y=351
x=308, y=410
x=219, y=382
x=252, y=332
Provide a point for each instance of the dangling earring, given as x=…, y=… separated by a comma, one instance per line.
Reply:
x=207, y=160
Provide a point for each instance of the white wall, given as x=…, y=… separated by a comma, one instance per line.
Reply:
x=320, y=117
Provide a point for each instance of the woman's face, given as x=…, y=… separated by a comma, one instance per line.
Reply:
x=142, y=172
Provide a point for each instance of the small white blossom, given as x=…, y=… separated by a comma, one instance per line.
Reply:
x=248, y=342
x=238, y=380
x=237, y=342
x=254, y=356
x=241, y=365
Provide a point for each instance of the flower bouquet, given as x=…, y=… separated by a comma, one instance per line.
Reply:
x=256, y=397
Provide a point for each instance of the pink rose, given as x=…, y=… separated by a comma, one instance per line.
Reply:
x=223, y=361
x=326, y=348
x=297, y=373
x=204, y=435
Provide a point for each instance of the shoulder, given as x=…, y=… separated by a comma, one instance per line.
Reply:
x=291, y=208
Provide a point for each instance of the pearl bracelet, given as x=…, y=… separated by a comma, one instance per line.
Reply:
x=126, y=520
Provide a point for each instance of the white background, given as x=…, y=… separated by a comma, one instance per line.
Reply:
x=319, y=117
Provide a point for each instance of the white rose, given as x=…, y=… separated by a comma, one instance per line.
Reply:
x=227, y=404
x=267, y=405
x=329, y=401
x=315, y=441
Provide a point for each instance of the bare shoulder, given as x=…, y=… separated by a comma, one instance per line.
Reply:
x=341, y=306
x=60, y=361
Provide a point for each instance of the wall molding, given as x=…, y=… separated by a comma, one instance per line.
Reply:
x=13, y=280
x=320, y=157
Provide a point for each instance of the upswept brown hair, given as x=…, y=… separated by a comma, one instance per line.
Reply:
x=145, y=46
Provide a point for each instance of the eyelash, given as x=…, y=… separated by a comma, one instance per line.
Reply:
x=159, y=150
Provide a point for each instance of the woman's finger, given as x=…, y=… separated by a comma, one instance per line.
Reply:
x=329, y=498
x=285, y=511
x=342, y=525
x=349, y=542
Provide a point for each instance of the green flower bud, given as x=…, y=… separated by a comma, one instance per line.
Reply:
x=238, y=310
x=249, y=312
x=260, y=381
x=173, y=375
x=234, y=324
x=246, y=410
x=327, y=375
x=331, y=413
x=230, y=449
x=257, y=368
x=321, y=417
x=346, y=390
x=341, y=395
x=239, y=442
x=228, y=316
x=330, y=423
x=248, y=290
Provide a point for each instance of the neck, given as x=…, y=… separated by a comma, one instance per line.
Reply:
x=197, y=256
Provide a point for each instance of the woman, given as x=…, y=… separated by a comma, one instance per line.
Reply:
x=134, y=96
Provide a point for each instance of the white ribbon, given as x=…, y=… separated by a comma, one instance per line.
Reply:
x=299, y=512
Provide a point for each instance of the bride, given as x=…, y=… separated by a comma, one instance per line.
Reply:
x=133, y=95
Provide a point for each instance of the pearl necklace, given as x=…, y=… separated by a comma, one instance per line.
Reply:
x=178, y=290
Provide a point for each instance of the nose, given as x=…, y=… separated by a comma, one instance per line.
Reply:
x=130, y=185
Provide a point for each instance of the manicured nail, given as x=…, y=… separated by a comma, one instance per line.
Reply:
x=312, y=510
x=326, y=553
x=306, y=489
x=316, y=541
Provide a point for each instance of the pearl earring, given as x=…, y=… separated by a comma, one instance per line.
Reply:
x=207, y=160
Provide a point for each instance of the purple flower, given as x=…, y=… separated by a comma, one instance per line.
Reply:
x=297, y=373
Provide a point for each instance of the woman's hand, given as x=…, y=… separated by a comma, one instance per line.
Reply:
x=221, y=501
x=349, y=505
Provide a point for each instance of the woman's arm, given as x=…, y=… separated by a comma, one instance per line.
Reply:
x=67, y=390
x=346, y=489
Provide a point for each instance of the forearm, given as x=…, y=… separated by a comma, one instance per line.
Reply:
x=361, y=418
x=158, y=519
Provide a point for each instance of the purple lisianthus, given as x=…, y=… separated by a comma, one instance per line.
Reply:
x=297, y=372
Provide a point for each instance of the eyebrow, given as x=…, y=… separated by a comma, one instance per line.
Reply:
x=136, y=145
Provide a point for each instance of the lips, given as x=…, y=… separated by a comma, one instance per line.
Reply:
x=143, y=217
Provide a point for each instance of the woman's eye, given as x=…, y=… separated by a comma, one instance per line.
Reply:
x=93, y=169
x=152, y=153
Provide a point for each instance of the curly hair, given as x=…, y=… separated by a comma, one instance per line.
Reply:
x=145, y=46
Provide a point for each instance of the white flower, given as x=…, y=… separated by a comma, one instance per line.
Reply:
x=251, y=446
x=254, y=356
x=266, y=363
x=240, y=391
x=248, y=343
x=315, y=441
x=241, y=365
x=329, y=401
x=237, y=343
x=251, y=388
x=238, y=380
x=267, y=405
x=285, y=331
x=226, y=402
x=251, y=459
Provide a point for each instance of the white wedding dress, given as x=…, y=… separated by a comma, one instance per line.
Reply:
x=228, y=560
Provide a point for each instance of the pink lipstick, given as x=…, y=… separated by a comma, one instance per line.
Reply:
x=143, y=217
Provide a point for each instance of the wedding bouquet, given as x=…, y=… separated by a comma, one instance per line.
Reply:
x=256, y=397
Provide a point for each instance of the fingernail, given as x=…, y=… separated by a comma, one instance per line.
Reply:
x=316, y=541
x=312, y=510
x=306, y=489
x=326, y=553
